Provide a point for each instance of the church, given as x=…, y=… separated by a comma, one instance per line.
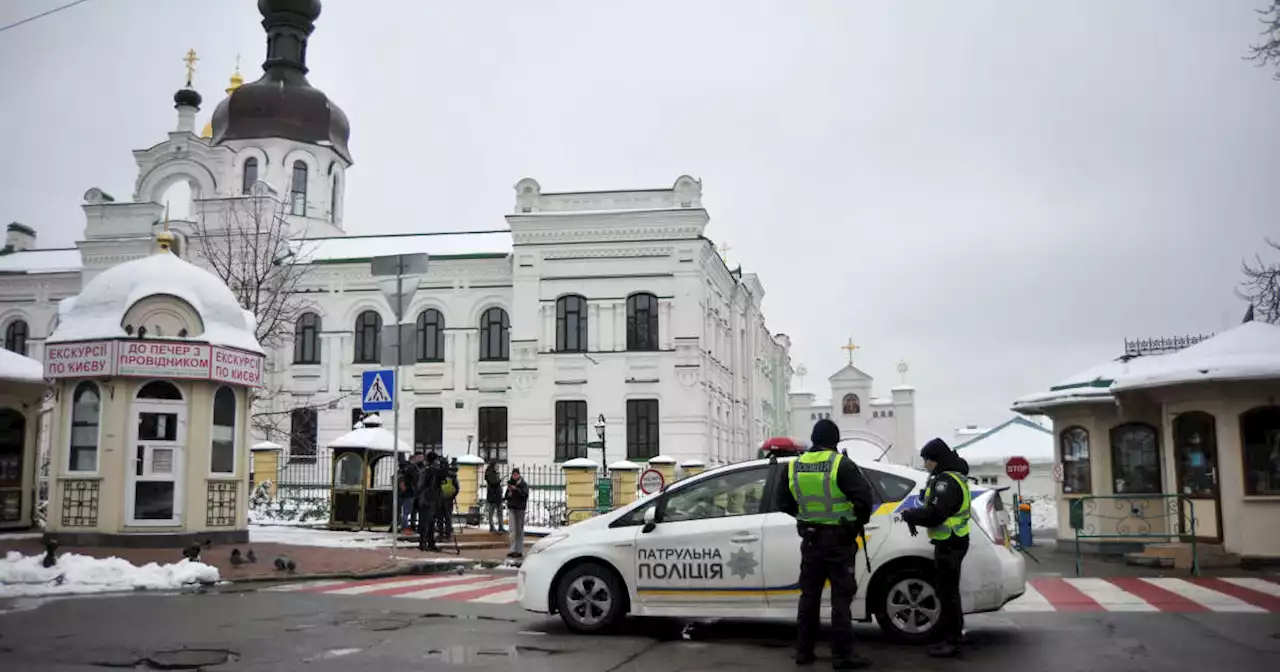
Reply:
x=871, y=427
x=579, y=314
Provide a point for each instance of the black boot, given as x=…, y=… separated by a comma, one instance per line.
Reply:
x=803, y=658
x=944, y=650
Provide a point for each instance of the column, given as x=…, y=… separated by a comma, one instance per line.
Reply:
x=580, y=488
x=469, y=482
x=620, y=325
x=547, y=335
x=624, y=482
x=664, y=324
x=665, y=466
x=593, y=326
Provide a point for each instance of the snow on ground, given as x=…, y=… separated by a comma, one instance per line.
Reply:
x=304, y=536
x=25, y=575
x=1044, y=513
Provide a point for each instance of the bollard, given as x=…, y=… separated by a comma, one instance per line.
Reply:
x=1024, y=525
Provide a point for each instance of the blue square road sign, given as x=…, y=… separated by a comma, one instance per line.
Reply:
x=378, y=390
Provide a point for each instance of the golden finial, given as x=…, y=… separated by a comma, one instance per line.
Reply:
x=850, y=347
x=724, y=253
x=190, y=60
x=164, y=239
x=236, y=79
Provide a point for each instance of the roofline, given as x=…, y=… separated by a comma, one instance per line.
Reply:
x=434, y=257
x=1015, y=420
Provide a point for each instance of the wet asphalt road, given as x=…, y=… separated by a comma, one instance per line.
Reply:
x=249, y=630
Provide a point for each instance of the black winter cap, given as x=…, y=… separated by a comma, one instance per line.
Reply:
x=826, y=434
x=936, y=450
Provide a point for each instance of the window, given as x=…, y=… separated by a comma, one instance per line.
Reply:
x=1135, y=459
x=739, y=493
x=851, y=405
x=492, y=441
x=298, y=189
x=222, y=452
x=1260, y=440
x=306, y=339
x=1195, y=453
x=13, y=446
x=250, y=175
x=571, y=324
x=642, y=428
x=368, y=337
x=160, y=389
x=571, y=430
x=333, y=199
x=302, y=435
x=85, y=406
x=15, y=337
x=430, y=340
x=495, y=336
x=1076, y=476
x=642, y=322
x=888, y=488
x=428, y=428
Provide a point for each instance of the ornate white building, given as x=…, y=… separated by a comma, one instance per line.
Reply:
x=584, y=304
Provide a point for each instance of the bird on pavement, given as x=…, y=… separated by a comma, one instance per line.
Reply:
x=192, y=553
x=290, y=564
x=236, y=560
x=252, y=557
x=280, y=564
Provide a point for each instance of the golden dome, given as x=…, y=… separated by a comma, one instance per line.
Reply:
x=236, y=82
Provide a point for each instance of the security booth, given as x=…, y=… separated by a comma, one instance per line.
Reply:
x=365, y=462
x=22, y=386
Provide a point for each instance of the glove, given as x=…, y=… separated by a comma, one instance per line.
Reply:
x=911, y=527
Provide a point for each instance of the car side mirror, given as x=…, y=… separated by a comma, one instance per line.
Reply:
x=650, y=519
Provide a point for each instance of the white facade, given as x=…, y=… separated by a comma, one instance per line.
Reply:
x=887, y=423
x=718, y=377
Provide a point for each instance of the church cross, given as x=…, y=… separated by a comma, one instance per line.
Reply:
x=850, y=347
x=190, y=60
x=724, y=253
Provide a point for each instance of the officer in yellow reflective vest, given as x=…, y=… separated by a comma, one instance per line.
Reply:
x=945, y=514
x=831, y=501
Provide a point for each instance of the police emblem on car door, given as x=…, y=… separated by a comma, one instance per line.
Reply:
x=706, y=549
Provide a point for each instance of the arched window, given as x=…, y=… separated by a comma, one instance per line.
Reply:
x=642, y=322
x=15, y=337
x=298, y=189
x=306, y=339
x=86, y=404
x=333, y=199
x=495, y=337
x=430, y=341
x=571, y=324
x=160, y=389
x=1076, y=477
x=222, y=451
x=1135, y=460
x=250, y=175
x=368, y=337
x=1260, y=440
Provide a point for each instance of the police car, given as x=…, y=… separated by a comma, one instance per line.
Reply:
x=714, y=546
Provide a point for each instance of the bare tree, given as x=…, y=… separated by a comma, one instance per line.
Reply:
x=1261, y=286
x=1268, y=52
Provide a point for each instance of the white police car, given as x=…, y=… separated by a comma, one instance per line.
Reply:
x=714, y=546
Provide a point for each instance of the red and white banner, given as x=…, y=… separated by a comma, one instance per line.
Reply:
x=153, y=359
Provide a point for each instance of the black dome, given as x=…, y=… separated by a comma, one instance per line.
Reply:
x=187, y=97
x=282, y=103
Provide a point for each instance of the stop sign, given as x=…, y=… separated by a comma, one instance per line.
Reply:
x=1017, y=468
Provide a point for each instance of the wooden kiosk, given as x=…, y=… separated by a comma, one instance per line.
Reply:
x=358, y=500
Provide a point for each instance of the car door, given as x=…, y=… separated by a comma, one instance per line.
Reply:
x=704, y=552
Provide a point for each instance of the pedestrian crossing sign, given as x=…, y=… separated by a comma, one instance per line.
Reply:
x=378, y=390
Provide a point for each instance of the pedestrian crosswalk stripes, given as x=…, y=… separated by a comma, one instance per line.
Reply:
x=1246, y=595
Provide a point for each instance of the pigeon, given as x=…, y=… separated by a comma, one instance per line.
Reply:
x=208, y=543
x=236, y=560
x=251, y=556
x=50, y=553
x=290, y=564
x=192, y=553
x=280, y=565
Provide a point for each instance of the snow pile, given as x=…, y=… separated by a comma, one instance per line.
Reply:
x=302, y=536
x=1044, y=513
x=25, y=575
x=1250, y=351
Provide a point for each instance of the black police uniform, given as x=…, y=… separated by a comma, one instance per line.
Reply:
x=430, y=476
x=828, y=553
x=945, y=500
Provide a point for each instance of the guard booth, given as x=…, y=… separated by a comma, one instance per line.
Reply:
x=359, y=498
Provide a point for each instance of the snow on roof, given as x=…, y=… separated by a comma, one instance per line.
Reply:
x=15, y=368
x=1250, y=351
x=41, y=261
x=1017, y=436
x=354, y=249
x=98, y=310
x=1092, y=385
x=369, y=438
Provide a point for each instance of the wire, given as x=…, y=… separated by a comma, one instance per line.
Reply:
x=55, y=10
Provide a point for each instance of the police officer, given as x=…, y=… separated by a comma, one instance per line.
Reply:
x=831, y=501
x=945, y=513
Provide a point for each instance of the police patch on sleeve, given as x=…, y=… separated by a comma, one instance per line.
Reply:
x=940, y=486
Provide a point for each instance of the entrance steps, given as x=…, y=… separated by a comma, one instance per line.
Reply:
x=1178, y=556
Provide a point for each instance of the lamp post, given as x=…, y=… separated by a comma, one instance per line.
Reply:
x=600, y=427
x=470, y=437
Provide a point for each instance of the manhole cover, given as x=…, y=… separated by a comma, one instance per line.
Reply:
x=187, y=659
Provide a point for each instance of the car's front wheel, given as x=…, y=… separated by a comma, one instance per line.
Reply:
x=908, y=609
x=590, y=599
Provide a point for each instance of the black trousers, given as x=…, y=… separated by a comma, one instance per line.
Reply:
x=948, y=557
x=427, y=522
x=827, y=553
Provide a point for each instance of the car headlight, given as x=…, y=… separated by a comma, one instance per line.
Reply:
x=547, y=542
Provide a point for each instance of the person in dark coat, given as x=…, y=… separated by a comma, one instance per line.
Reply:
x=517, y=499
x=445, y=515
x=493, y=496
x=407, y=480
x=430, y=476
x=945, y=513
x=837, y=504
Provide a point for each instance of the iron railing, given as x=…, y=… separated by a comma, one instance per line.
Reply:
x=1166, y=517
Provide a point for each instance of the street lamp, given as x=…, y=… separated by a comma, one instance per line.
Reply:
x=469, y=439
x=600, y=426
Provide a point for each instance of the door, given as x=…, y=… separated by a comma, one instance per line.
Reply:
x=706, y=552
x=12, y=449
x=1195, y=453
x=154, y=488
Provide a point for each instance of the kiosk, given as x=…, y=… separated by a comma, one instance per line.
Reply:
x=359, y=499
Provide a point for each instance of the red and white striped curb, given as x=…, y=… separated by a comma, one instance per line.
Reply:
x=1121, y=594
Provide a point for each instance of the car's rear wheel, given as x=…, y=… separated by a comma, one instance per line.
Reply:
x=908, y=609
x=590, y=599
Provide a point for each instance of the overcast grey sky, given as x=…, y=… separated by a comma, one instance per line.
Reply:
x=997, y=192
